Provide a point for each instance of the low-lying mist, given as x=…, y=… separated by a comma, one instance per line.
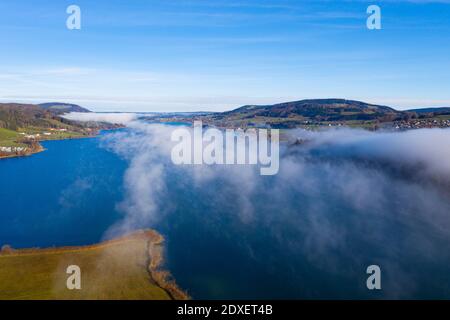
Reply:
x=343, y=199
x=110, y=117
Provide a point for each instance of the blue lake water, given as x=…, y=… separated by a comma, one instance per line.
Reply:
x=63, y=196
x=303, y=237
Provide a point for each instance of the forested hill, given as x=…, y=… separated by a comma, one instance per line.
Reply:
x=60, y=107
x=319, y=110
x=14, y=116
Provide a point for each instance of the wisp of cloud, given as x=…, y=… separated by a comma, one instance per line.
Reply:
x=342, y=200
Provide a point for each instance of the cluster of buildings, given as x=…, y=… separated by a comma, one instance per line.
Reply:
x=30, y=136
x=36, y=136
x=422, y=123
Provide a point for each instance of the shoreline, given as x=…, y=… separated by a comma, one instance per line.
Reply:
x=40, y=148
x=158, y=275
x=163, y=277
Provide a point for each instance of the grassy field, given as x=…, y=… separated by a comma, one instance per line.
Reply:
x=117, y=269
x=8, y=138
x=443, y=117
x=54, y=135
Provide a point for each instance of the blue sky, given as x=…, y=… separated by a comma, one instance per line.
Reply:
x=185, y=55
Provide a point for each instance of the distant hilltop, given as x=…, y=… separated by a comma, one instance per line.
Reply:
x=329, y=112
x=18, y=115
x=438, y=111
x=319, y=110
x=60, y=107
x=307, y=113
x=312, y=113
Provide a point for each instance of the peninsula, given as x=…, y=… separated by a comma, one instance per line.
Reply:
x=129, y=267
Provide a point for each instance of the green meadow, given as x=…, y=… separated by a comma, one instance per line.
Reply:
x=118, y=269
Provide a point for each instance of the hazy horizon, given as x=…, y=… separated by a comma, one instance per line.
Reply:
x=193, y=110
x=218, y=55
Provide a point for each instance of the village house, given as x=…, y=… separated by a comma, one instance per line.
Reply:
x=12, y=149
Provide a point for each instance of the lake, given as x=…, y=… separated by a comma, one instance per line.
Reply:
x=308, y=232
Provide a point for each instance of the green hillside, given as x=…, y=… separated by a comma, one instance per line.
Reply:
x=22, y=126
x=9, y=138
x=20, y=116
x=60, y=107
x=316, y=111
